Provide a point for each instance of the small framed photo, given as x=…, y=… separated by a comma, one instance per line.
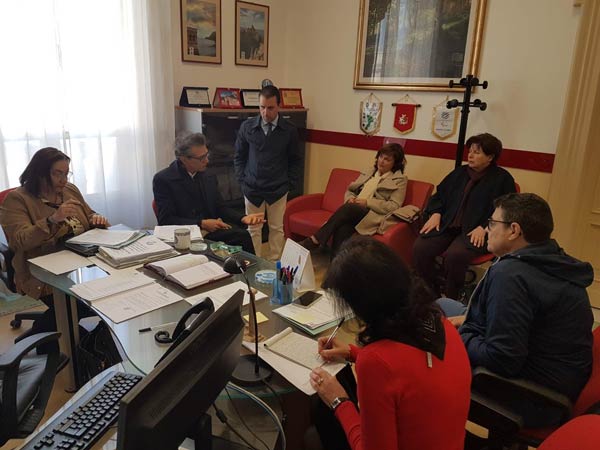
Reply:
x=201, y=31
x=227, y=98
x=250, y=98
x=196, y=97
x=291, y=98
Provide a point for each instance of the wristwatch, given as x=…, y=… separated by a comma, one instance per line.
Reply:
x=337, y=402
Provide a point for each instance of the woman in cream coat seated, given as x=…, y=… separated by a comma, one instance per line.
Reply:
x=368, y=200
x=37, y=217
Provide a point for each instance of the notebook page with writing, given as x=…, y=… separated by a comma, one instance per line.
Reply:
x=295, y=347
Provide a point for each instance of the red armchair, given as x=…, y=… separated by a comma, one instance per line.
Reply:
x=304, y=215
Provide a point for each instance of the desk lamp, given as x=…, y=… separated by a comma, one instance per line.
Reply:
x=250, y=369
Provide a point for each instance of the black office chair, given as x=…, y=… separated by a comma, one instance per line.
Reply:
x=7, y=274
x=26, y=382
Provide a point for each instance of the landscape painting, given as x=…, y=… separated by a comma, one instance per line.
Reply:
x=252, y=34
x=201, y=31
x=417, y=44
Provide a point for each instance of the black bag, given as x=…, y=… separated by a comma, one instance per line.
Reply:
x=96, y=351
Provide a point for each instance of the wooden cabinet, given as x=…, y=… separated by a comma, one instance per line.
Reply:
x=220, y=126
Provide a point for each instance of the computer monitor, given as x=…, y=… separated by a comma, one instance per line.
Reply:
x=170, y=403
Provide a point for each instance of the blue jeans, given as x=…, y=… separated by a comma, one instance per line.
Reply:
x=451, y=307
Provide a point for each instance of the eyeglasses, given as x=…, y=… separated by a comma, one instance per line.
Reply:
x=198, y=158
x=61, y=174
x=491, y=222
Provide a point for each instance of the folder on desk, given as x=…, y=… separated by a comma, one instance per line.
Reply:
x=320, y=316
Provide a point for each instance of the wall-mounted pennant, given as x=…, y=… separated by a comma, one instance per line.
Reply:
x=370, y=114
x=406, y=114
x=444, y=121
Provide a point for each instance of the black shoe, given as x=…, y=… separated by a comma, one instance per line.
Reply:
x=308, y=244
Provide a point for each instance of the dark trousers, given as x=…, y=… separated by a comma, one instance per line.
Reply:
x=456, y=260
x=47, y=323
x=340, y=225
x=330, y=431
x=233, y=236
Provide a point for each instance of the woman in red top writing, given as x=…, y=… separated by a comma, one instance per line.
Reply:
x=412, y=371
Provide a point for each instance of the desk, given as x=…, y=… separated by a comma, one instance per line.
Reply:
x=256, y=419
x=140, y=348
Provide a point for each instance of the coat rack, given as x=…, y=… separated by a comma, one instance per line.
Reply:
x=468, y=83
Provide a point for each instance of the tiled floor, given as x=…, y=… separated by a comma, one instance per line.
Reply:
x=58, y=396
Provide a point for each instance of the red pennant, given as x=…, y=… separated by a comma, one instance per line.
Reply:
x=404, y=120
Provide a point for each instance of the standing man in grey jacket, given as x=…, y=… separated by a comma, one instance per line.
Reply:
x=268, y=162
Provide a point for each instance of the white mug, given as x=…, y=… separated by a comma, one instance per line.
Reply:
x=182, y=239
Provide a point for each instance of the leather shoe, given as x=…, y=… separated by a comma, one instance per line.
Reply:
x=308, y=244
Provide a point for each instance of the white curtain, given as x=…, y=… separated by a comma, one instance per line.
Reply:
x=94, y=79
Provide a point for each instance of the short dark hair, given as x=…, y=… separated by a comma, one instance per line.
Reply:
x=38, y=169
x=367, y=276
x=397, y=152
x=186, y=141
x=531, y=212
x=490, y=144
x=269, y=92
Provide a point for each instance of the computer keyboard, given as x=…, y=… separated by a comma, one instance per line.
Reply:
x=84, y=422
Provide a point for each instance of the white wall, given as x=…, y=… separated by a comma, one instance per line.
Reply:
x=526, y=59
x=228, y=74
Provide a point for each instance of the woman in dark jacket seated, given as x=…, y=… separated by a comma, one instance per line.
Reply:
x=458, y=214
x=368, y=200
x=38, y=216
x=412, y=370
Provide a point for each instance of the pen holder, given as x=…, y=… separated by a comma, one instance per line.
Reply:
x=283, y=293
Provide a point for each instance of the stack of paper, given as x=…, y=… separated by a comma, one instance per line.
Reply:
x=146, y=249
x=110, y=285
x=107, y=238
x=167, y=232
x=315, y=319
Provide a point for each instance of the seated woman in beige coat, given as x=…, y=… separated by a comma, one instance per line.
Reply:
x=369, y=198
x=39, y=215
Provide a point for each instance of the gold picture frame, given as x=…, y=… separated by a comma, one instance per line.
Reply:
x=201, y=31
x=429, y=46
x=251, y=34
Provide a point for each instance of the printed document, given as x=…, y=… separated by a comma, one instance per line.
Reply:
x=111, y=285
x=129, y=304
x=167, y=232
x=60, y=262
x=188, y=271
x=220, y=295
x=99, y=236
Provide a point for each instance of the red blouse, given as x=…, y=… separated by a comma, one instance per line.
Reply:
x=404, y=404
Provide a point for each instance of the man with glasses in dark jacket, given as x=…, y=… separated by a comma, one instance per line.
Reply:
x=530, y=316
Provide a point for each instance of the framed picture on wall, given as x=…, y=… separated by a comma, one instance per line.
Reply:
x=251, y=34
x=201, y=31
x=417, y=45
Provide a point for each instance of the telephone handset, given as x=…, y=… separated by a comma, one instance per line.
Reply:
x=202, y=310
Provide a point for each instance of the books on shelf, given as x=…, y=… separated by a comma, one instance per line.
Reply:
x=106, y=238
x=167, y=232
x=188, y=271
x=146, y=249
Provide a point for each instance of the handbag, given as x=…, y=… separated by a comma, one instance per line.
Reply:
x=96, y=352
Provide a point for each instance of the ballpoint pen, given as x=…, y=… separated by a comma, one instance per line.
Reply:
x=156, y=327
x=326, y=346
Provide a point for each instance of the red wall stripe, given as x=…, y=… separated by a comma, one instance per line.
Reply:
x=519, y=159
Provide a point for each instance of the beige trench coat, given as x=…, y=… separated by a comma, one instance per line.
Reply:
x=24, y=220
x=388, y=197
